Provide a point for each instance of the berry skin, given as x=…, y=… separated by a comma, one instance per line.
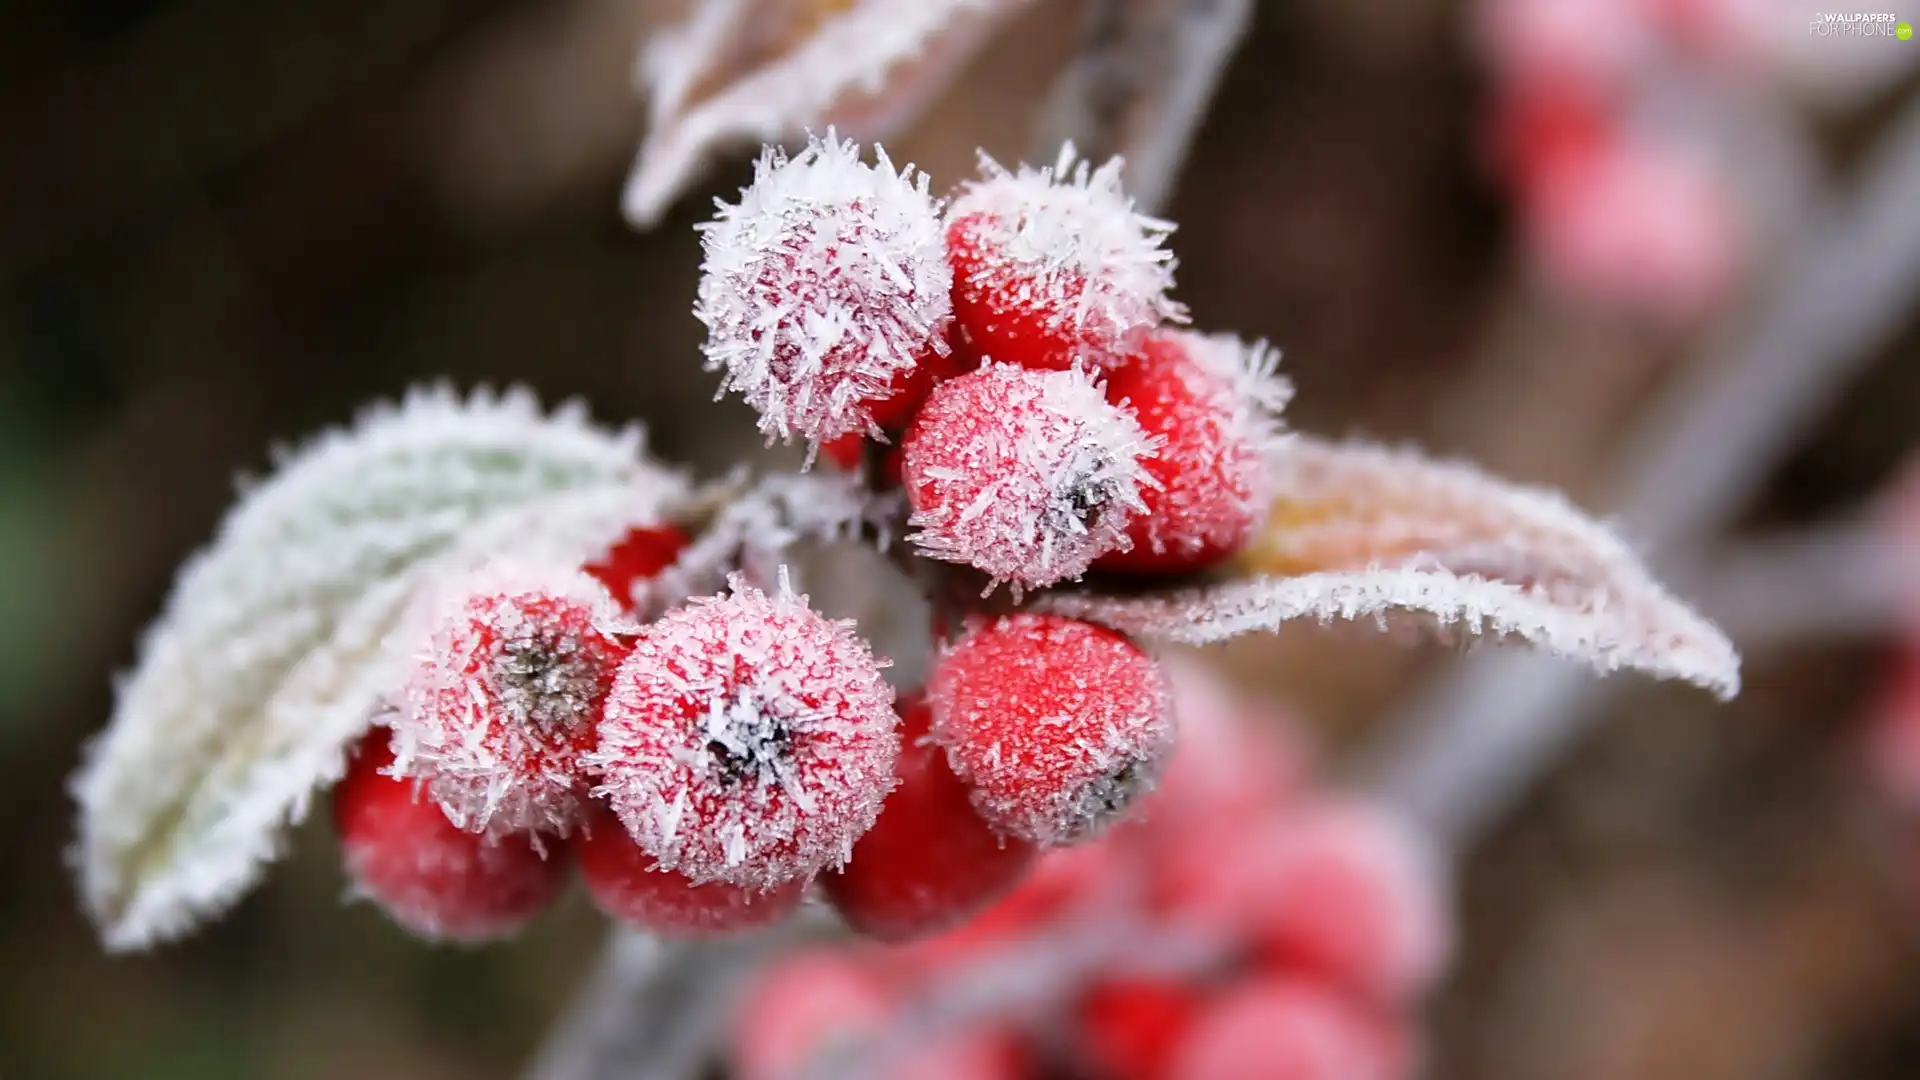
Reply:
x=1053, y=268
x=1026, y=475
x=1283, y=1028
x=1210, y=400
x=436, y=880
x=1057, y=724
x=747, y=740
x=1129, y=1028
x=638, y=557
x=626, y=884
x=929, y=860
x=501, y=702
x=824, y=290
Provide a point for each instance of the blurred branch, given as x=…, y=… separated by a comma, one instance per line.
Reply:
x=1830, y=581
x=1140, y=86
x=1463, y=752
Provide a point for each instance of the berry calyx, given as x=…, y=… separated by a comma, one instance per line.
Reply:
x=500, y=701
x=433, y=878
x=639, y=557
x=747, y=739
x=1211, y=401
x=929, y=860
x=1284, y=1028
x=1053, y=268
x=824, y=289
x=626, y=883
x=1057, y=724
x=1026, y=475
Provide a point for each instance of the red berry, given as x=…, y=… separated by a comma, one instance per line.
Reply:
x=1026, y=475
x=1231, y=763
x=1339, y=890
x=433, y=878
x=1211, y=401
x=1060, y=882
x=929, y=860
x=847, y=452
x=747, y=740
x=1053, y=268
x=627, y=884
x=1279, y=1028
x=637, y=558
x=501, y=701
x=1056, y=723
x=1893, y=739
x=802, y=1011
x=1129, y=1028
x=825, y=289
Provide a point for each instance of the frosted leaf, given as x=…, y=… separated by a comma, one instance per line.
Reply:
x=824, y=289
x=1365, y=531
x=272, y=650
x=507, y=677
x=759, y=71
x=1027, y=476
x=1061, y=255
x=747, y=739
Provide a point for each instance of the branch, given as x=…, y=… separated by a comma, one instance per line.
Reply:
x=1829, y=581
x=1461, y=754
x=1140, y=86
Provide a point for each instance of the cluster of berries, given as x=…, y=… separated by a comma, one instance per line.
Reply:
x=703, y=769
x=1006, y=356
x=1614, y=211
x=1323, y=916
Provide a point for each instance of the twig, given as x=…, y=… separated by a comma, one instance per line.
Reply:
x=1140, y=86
x=1829, y=581
x=1458, y=756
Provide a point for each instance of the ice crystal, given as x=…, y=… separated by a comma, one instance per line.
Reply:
x=767, y=70
x=270, y=653
x=503, y=695
x=1064, y=244
x=824, y=288
x=1362, y=531
x=747, y=739
x=1025, y=475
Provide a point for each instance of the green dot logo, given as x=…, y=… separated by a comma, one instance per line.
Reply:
x=1904, y=31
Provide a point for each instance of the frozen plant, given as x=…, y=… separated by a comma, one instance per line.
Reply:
x=679, y=720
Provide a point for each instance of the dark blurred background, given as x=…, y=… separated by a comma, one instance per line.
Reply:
x=225, y=225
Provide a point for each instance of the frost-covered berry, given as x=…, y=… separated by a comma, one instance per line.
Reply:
x=1286, y=1028
x=1129, y=1027
x=1057, y=724
x=929, y=860
x=747, y=739
x=626, y=883
x=501, y=700
x=1026, y=475
x=825, y=289
x=639, y=557
x=1054, y=267
x=1212, y=402
x=433, y=878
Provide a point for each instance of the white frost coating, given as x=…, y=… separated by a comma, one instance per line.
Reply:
x=1025, y=475
x=1066, y=242
x=740, y=72
x=747, y=739
x=270, y=653
x=1382, y=531
x=822, y=287
x=502, y=693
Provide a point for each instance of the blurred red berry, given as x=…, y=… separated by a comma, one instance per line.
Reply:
x=638, y=557
x=747, y=739
x=1893, y=733
x=501, y=699
x=1128, y=1028
x=824, y=290
x=1057, y=724
x=1284, y=1028
x=1026, y=475
x=1212, y=403
x=803, y=1010
x=626, y=883
x=929, y=861
x=433, y=878
x=1053, y=267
